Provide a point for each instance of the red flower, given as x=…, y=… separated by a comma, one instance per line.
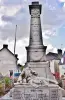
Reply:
x=57, y=75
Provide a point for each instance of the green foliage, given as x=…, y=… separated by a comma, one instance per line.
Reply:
x=22, y=67
x=2, y=89
x=7, y=81
x=5, y=85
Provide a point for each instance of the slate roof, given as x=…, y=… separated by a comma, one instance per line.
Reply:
x=52, y=56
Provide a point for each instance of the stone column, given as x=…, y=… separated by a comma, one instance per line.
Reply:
x=35, y=50
x=35, y=27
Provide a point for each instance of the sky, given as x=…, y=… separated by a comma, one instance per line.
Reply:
x=16, y=12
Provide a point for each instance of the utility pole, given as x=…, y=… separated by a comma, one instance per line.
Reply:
x=61, y=46
x=15, y=40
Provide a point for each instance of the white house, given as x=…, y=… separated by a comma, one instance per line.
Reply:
x=54, y=59
x=8, y=61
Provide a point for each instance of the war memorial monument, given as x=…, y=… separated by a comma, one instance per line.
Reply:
x=36, y=81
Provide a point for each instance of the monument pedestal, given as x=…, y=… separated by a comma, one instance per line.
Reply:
x=28, y=92
x=42, y=68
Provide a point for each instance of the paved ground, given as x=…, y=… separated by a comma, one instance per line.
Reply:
x=6, y=97
x=63, y=99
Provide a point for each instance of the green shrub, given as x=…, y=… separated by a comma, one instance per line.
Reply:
x=7, y=82
x=22, y=67
x=2, y=89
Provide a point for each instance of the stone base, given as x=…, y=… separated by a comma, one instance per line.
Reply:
x=42, y=68
x=28, y=92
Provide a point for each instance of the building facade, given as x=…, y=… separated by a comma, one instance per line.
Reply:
x=62, y=66
x=54, y=59
x=8, y=61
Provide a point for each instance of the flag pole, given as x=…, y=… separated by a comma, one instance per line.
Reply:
x=15, y=40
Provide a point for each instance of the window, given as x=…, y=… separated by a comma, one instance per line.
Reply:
x=11, y=73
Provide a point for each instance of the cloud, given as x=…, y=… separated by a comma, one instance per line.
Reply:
x=53, y=17
x=7, y=13
x=48, y=34
x=55, y=50
x=63, y=50
x=11, y=10
x=9, y=31
x=12, y=2
x=62, y=0
x=2, y=23
x=22, y=51
x=50, y=48
x=45, y=36
x=10, y=15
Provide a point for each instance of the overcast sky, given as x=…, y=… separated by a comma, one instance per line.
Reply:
x=14, y=12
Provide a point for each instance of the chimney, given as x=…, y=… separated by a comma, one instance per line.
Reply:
x=59, y=53
x=16, y=55
x=44, y=48
x=19, y=65
x=5, y=46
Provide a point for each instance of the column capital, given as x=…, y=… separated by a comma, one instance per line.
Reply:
x=35, y=5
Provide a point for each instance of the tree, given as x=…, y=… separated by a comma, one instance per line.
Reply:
x=22, y=67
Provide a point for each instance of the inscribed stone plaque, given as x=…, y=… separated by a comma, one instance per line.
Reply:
x=37, y=94
x=31, y=94
x=28, y=92
x=54, y=94
x=17, y=95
